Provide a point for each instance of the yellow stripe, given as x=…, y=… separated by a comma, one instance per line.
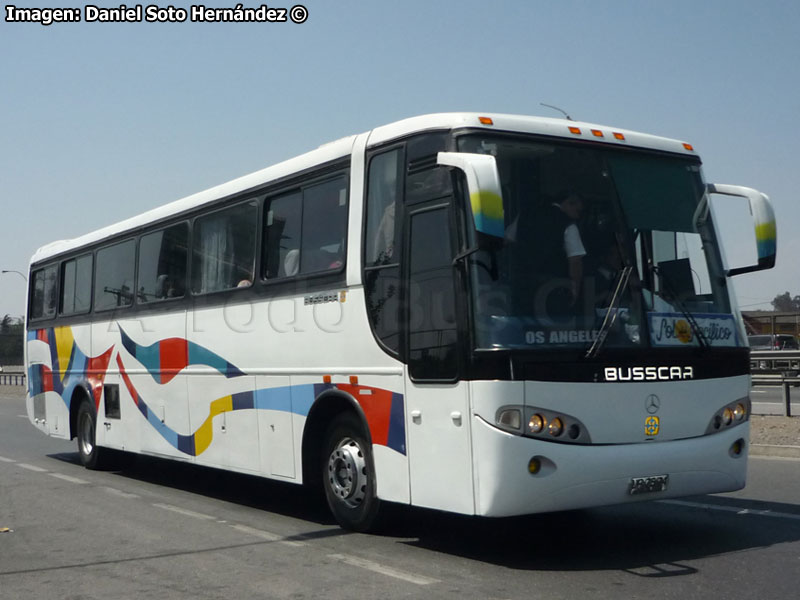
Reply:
x=766, y=231
x=64, y=344
x=220, y=406
x=204, y=435
x=487, y=204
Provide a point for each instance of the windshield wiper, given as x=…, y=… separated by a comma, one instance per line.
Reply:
x=676, y=301
x=611, y=312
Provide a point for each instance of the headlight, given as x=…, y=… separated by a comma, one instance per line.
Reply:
x=735, y=413
x=556, y=427
x=727, y=416
x=536, y=423
x=541, y=423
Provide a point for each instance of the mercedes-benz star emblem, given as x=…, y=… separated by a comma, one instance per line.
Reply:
x=652, y=404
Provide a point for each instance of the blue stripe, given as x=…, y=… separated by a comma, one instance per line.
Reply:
x=242, y=401
x=397, y=425
x=279, y=398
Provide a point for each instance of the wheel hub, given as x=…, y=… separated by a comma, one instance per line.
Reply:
x=347, y=472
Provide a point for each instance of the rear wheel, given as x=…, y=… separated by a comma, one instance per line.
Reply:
x=92, y=456
x=348, y=475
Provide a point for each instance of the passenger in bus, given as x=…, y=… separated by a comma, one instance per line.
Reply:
x=559, y=254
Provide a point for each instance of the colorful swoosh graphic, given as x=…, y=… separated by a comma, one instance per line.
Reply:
x=69, y=366
x=383, y=409
x=163, y=360
x=166, y=358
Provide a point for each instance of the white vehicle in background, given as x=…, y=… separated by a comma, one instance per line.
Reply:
x=390, y=317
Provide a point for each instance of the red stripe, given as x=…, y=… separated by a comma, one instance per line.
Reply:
x=174, y=354
x=96, y=371
x=127, y=380
x=377, y=408
x=47, y=379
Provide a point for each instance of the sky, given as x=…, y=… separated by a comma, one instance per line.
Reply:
x=102, y=121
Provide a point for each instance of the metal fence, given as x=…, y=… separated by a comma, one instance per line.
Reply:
x=12, y=379
x=777, y=367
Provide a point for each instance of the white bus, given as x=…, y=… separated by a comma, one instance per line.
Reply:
x=485, y=314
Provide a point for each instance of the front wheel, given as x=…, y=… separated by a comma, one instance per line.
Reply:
x=348, y=475
x=92, y=456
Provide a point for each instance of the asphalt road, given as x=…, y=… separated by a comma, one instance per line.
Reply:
x=156, y=529
x=768, y=400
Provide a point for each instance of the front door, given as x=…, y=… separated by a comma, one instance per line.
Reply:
x=439, y=445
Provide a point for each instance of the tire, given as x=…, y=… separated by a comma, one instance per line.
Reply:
x=348, y=475
x=91, y=455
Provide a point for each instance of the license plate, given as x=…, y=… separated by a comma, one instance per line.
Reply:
x=648, y=485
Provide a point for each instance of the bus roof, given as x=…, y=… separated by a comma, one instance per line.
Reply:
x=342, y=147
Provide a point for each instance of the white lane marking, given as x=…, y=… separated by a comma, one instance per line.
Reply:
x=266, y=535
x=758, y=391
x=32, y=467
x=369, y=565
x=67, y=478
x=7, y=460
x=23, y=416
x=185, y=512
x=733, y=509
x=120, y=493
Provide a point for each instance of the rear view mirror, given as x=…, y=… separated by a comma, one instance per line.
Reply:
x=763, y=220
x=485, y=194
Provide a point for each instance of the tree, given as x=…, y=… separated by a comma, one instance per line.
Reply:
x=786, y=303
x=12, y=337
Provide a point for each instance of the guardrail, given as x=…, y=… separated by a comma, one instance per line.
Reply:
x=777, y=367
x=12, y=379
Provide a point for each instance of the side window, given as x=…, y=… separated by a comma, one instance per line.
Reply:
x=113, y=279
x=381, y=250
x=305, y=231
x=282, y=235
x=425, y=180
x=162, y=264
x=224, y=249
x=43, y=293
x=76, y=285
x=324, y=226
x=382, y=194
x=431, y=297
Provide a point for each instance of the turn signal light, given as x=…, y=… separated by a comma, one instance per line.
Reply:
x=737, y=447
x=511, y=418
x=486, y=121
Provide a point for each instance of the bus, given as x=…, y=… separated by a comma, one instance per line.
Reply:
x=485, y=314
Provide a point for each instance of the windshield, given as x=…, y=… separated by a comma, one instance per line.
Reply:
x=601, y=248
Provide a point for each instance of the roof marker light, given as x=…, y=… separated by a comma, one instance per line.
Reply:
x=326, y=379
x=597, y=133
x=353, y=379
x=689, y=147
x=619, y=136
x=575, y=130
x=486, y=121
